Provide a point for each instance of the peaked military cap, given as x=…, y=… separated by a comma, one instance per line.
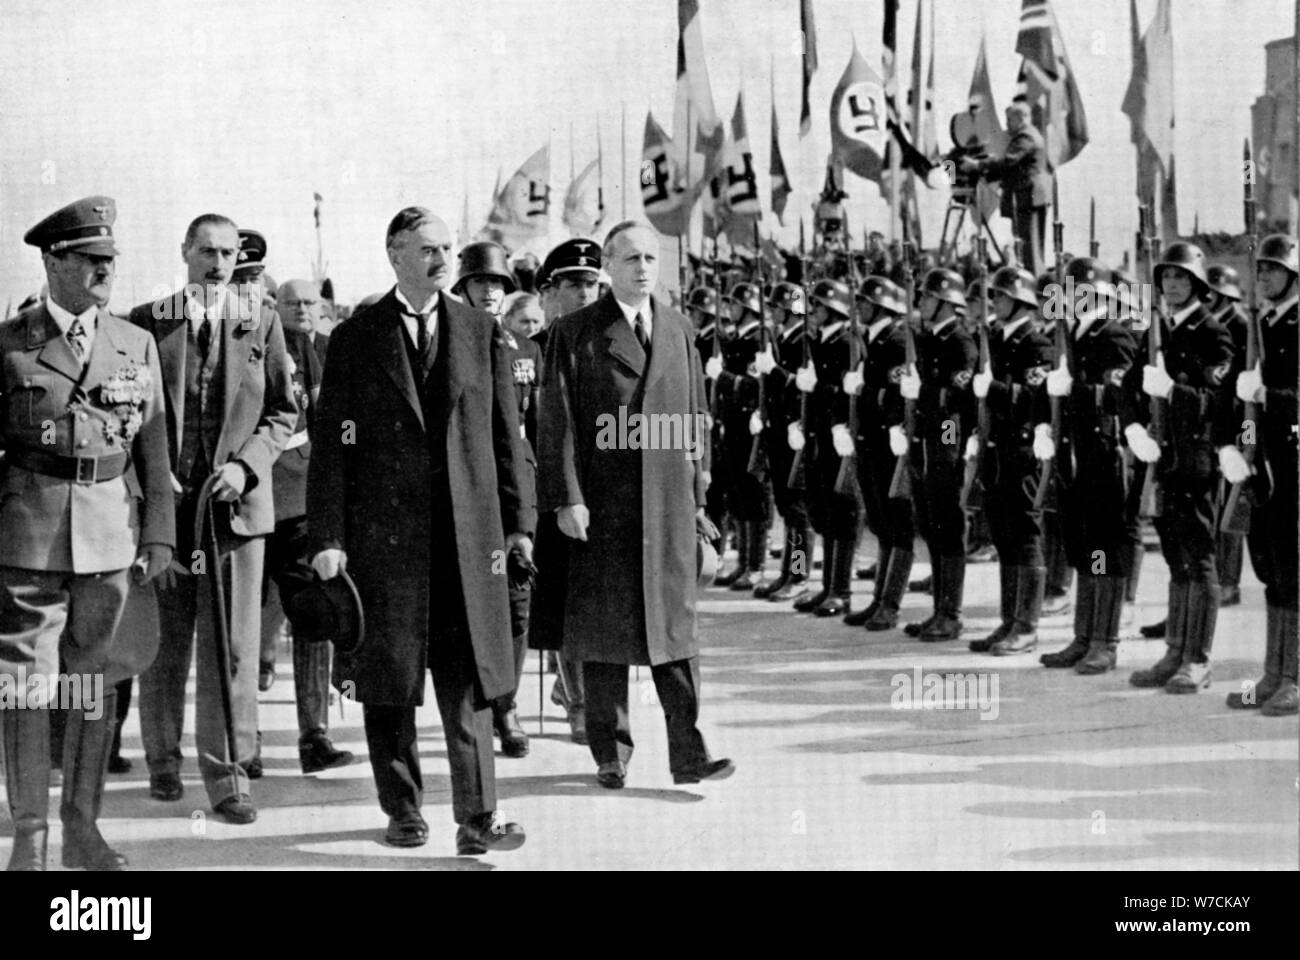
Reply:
x=85, y=226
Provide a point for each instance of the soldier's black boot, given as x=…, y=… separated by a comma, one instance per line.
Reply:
x=1155, y=631
x=1193, y=674
x=742, y=557
x=756, y=541
x=801, y=547
x=1006, y=609
x=1285, y=701
x=765, y=589
x=1023, y=635
x=1083, y=606
x=1108, y=607
x=879, y=570
x=1158, y=674
x=26, y=736
x=934, y=581
x=1256, y=692
x=840, y=600
x=85, y=764
x=895, y=576
x=810, y=599
x=946, y=625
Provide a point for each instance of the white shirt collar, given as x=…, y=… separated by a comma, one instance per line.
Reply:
x=63, y=320
x=1278, y=309
x=430, y=306
x=937, y=327
x=630, y=312
x=1177, y=319
x=1085, y=318
x=1009, y=328
x=831, y=329
x=873, y=331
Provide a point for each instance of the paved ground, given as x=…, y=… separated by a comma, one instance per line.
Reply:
x=1056, y=771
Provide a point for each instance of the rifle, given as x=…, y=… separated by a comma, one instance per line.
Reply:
x=719, y=282
x=1094, y=245
x=1061, y=339
x=757, y=466
x=794, y=481
x=847, y=478
x=972, y=489
x=1151, y=494
x=1236, y=514
x=900, y=485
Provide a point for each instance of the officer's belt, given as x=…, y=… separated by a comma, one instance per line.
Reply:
x=82, y=470
x=296, y=441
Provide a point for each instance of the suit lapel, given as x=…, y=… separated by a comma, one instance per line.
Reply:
x=453, y=357
x=106, y=356
x=623, y=345
x=170, y=334
x=391, y=353
x=665, y=349
x=57, y=353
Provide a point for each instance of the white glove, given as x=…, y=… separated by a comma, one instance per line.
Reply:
x=1140, y=442
x=852, y=382
x=713, y=367
x=806, y=379
x=842, y=439
x=1156, y=382
x=897, y=441
x=1249, y=383
x=909, y=384
x=1044, y=445
x=1233, y=465
x=755, y=423
x=1059, y=381
x=764, y=362
x=972, y=446
x=328, y=564
x=794, y=436
x=981, y=382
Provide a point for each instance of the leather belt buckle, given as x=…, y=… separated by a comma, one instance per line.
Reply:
x=87, y=470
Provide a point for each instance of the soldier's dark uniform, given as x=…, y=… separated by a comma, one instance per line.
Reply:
x=1060, y=576
x=946, y=360
x=702, y=306
x=1230, y=547
x=879, y=407
x=783, y=408
x=749, y=494
x=1274, y=521
x=1010, y=474
x=834, y=515
x=1198, y=354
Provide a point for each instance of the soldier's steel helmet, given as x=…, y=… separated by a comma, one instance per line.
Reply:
x=788, y=296
x=832, y=295
x=945, y=285
x=1224, y=280
x=1187, y=257
x=1015, y=283
x=484, y=259
x=703, y=299
x=1282, y=250
x=884, y=293
x=1089, y=271
x=748, y=296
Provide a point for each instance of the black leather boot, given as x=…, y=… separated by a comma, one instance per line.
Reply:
x=934, y=580
x=1083, y=606
x=800, y=565
x=1006, y=609
x=952, y=581
x=26, y=744
x=1285, y=701
x=1023, y=636
x=85, y=764
x=1108, y=607
x=879, y=570
x=742, y=557
x=1255, y=693
x=809, y=599
x=896, y=573
x=1193, y=674
x=1158, y=674
x=840, y=600
x=768, y=587
x=756, y=542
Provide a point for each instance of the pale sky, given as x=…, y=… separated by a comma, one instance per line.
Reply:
x=245, y=108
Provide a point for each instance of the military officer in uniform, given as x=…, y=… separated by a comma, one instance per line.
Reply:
x=231, y=411
x=1189, y=376
x=1225, y=307
x=1019, y=441
x=941, y=387
x=1094, y=473
x=879, y=409
x=836, y=515
x=1272, y=385
x=483, y=281
x=85, y=505
x=778, y=364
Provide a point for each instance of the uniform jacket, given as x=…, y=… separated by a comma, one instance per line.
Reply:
x=946, y=362
x=1023, y=168
x=46, y=404
x=289, y=474
x=1280, y=333
x=625, y=605
x=1017, y=399
x=412, y=499
x=260, y=410
x=880, y=405
x=525, y=370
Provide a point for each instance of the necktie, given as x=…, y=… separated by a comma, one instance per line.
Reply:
x=205, y=339
x=641, y=336
x=77, y=338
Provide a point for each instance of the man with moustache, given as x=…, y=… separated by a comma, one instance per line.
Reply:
x=85, y=505
x=230, y=411
x=418, y=490
x=632, y=354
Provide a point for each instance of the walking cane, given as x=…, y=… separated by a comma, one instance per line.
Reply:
x=205, y=517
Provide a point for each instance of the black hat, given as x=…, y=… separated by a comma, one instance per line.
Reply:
x=330, y=611
x=85, y=226
x=484, y=259
x=252, y=253
x=572, y=256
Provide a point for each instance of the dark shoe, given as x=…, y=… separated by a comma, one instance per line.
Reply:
x=839, y=601
x=319, y=754
x=166, y=787
x=1159, y=673
x=789, y=590
x=612, y=775
x=805, y=601
x=764, y=590
x=1100, y=658
x=514, y=742
x=1254, y=694
x=924, y=585
x=578, y=726
x=882, y=619
x=742, y=558
x=407, y=829
x=867, y=573
x=1154, y=631
x=918, y=628
x=484, y=833
x=84, y=847
x=236, y=810
x=1231, y=597
x=28, y=853
x=1189, y=678
x=118, y=764
x=984, y=644
x=833, y=606
x=1071, y=655
x=1015, y=643
x=712, y=770
x=266, y=675
x=253, y=768
x=859, y=618
x=746, y=581
x=1284, y=703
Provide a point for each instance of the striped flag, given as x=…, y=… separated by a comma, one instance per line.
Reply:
x=781, y=189
x=1048, y=83
x=808, y=31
